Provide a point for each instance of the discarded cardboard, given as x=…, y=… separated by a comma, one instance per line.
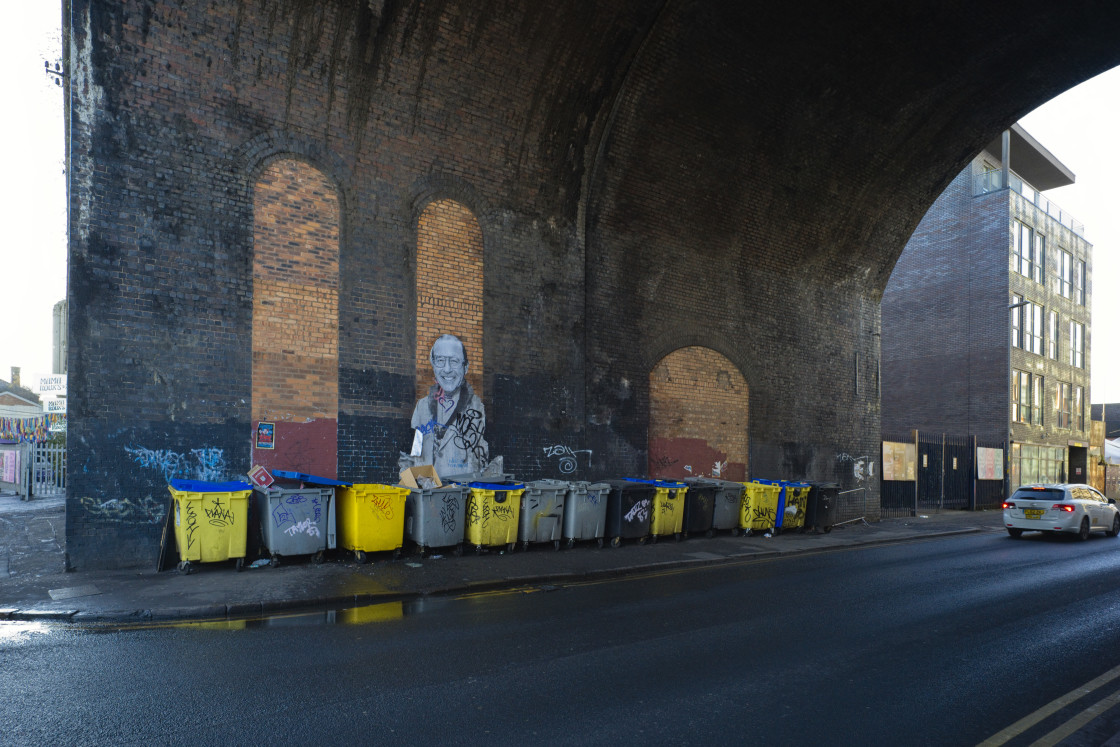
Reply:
x=410, y=478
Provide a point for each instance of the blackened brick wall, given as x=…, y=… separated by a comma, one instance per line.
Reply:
x=645, y=176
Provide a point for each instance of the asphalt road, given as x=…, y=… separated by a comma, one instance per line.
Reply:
x=935, y=642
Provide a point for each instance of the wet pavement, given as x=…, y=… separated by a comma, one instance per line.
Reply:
x=35, y=586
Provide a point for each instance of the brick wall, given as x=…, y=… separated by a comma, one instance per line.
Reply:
x=449, y=282
x=698, y=408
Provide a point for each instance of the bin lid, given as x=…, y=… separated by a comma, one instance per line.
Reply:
x=304, y=477
x=658, y=483
x=201, y=486
x=496, y=486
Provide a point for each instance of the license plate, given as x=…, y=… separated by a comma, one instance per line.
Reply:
x=1034, y=513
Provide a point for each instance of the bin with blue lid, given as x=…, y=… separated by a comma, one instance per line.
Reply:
x=295, y=521
x=667, y=515
x=211, y=521
x=492, y=514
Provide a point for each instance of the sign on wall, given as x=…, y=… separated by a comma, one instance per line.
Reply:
x=899, y=461
x=989, y=463
x=54, y=384
x=55, y=405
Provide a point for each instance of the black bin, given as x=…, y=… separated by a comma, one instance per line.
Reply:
x=629, y=509
x=821, y=508
x=699, y=506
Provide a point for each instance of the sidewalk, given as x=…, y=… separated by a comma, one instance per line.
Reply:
x=34, y=586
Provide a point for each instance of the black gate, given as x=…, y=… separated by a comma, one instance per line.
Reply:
x=946, y=478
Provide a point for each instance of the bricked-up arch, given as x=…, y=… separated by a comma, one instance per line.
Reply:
x=449, y=277
x=698, y=408
x=295, y=317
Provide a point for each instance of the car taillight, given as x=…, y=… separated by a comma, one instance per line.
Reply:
x=1008, y=504
x=1067, y=507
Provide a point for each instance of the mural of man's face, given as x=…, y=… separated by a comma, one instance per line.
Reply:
x=448, y=364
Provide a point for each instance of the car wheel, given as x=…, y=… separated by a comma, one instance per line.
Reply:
x=1015, y=533
x=1083, y=532
x=1115, y=526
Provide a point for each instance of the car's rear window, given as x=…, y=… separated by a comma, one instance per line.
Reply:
x=1045, y=494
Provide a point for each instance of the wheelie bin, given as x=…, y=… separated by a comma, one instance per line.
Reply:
x=295, y=521
x=492, y=514
x=371, y=519
x=542, y=512
x=211, y=521
x=434, y=517
x=699, y=506
x=759, y=511
x=585, y=512
x=629, y=509
x=822, y=507
x=791, y=506
x=667, y=514
x=728, y=502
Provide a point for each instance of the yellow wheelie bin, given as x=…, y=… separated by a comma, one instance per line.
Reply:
x=371, y=519
x=493, y=514
x=211, y=521
x=791, y=508
x=759, y=510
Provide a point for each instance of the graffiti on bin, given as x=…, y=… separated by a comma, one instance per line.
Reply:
x=667, y=506
x=639, y=511
x=293, y=508
x=447, y=514
x=192, y=524
x=281, y=514
x=765, y=514
x=307, y=526
x=503, y=513
x=593, y=497
x=219, y=514
x=569, y=462
x=381, y=507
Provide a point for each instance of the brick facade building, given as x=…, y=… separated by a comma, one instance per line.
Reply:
x=956, y=359
x=275, y=208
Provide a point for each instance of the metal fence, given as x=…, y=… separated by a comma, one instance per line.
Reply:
x=945, y=478
x=33, y=469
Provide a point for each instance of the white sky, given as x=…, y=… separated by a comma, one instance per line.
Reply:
x=1079, y=128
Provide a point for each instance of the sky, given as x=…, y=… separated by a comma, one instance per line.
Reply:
x=1078, y=127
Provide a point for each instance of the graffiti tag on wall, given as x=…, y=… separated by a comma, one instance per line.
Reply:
x=206, y=464
x=567, y=456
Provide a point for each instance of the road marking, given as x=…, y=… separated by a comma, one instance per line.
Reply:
x=1050, y=709
x=1078, y=721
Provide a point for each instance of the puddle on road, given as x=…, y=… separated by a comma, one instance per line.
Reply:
x=16, y=631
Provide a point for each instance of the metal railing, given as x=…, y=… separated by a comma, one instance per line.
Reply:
x=991, y=181
x=33, y=470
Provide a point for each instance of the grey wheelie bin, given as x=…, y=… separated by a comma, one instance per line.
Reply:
x=585, y=512
x=435, y=517
x=728, y=501
x=629, y=510
x=542, y=512
x=822, y=506
x=295, y=521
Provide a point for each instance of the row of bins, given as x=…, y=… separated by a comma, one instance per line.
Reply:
x=211, y=518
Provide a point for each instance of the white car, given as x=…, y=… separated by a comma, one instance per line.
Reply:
x=1074, y=509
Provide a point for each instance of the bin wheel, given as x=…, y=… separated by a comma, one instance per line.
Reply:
x=828, y=529
x=748, y=532
x=734, y=531
x=185, y=567
x=317, y=558
x=397, y=554
x=677, y=536
x=616, y=541
x=457, y=551
x=478, y=549
x=513, y=546
x=555, y=544
x=600, y=539
x=524, y=545
x=421, y=551
x=652, y=539
x=274, y=561
x=239, y=564
x=710, y=533
x=360, y=556
x=572, y=542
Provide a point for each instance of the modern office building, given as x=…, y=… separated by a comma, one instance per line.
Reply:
x=986, y=318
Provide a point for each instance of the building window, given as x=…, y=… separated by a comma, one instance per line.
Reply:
x=1079, y=407
x=1065, y=273
x=1077, y=344
x=1026, y=326
x=1052, y=336
x=1028, y=249
x=1079, y=282
x=1021, y=397
x=1037, y=464
x=1063, y=401
x=1036, y=399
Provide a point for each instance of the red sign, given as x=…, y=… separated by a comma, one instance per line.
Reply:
x=260, y=477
